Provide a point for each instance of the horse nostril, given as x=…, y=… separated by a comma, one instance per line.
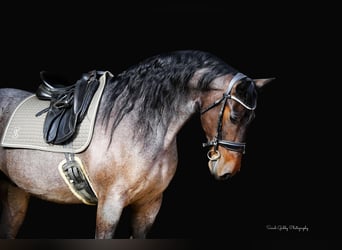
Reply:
x=225, y=176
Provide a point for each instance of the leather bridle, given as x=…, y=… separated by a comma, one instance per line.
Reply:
x=240, y=147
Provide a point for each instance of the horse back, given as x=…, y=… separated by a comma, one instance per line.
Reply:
x=9, y=100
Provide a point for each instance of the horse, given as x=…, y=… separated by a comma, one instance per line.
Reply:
x=132, y=155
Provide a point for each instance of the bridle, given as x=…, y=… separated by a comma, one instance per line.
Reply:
x=240, y=147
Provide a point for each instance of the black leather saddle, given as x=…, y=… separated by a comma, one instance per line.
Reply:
x=68, y=104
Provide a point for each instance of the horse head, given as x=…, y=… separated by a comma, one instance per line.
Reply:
x=227, y=109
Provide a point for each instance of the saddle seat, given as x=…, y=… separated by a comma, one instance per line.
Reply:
x=68, y=104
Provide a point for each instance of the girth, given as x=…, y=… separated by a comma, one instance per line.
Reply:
x=74, y=174
x=68, y=106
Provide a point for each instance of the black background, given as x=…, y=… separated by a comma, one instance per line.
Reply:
x=289, y=173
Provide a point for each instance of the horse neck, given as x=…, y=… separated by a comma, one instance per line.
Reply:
x=162, y=136
x=178, y=121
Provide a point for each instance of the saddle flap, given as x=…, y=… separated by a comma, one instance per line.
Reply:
x=68, y=107
x=52, y=120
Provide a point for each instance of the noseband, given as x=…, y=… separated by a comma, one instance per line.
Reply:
x=230, y=145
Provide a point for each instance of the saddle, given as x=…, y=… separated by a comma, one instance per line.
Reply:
x=68, y=104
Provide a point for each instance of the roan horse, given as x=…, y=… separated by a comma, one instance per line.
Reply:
x=132, y=156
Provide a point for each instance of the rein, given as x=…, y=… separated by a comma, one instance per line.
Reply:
x=240, y=147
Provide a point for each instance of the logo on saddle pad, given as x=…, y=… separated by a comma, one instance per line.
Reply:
x=16, y=132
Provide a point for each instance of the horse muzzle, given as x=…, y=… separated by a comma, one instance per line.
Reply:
x=214, y=160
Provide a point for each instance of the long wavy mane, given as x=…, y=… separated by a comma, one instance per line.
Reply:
x=157, y=87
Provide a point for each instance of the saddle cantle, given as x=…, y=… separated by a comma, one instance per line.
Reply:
x=68, y=105
x=52, y=83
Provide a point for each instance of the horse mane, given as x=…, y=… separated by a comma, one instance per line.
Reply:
x=158, y=86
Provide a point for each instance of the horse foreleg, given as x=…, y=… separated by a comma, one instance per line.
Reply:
x=14, y=206
x=144, y=215
x=108, y=215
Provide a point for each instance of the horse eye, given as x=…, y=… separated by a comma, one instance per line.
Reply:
x=234, y=118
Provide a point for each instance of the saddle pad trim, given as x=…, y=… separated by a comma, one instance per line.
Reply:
x=70, y=185
x=79, y=143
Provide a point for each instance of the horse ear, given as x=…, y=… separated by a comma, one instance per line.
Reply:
x=261, y=82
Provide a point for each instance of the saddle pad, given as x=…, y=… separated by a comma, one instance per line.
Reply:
x=25, y=130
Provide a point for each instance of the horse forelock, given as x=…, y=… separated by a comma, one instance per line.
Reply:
x=158, y=87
